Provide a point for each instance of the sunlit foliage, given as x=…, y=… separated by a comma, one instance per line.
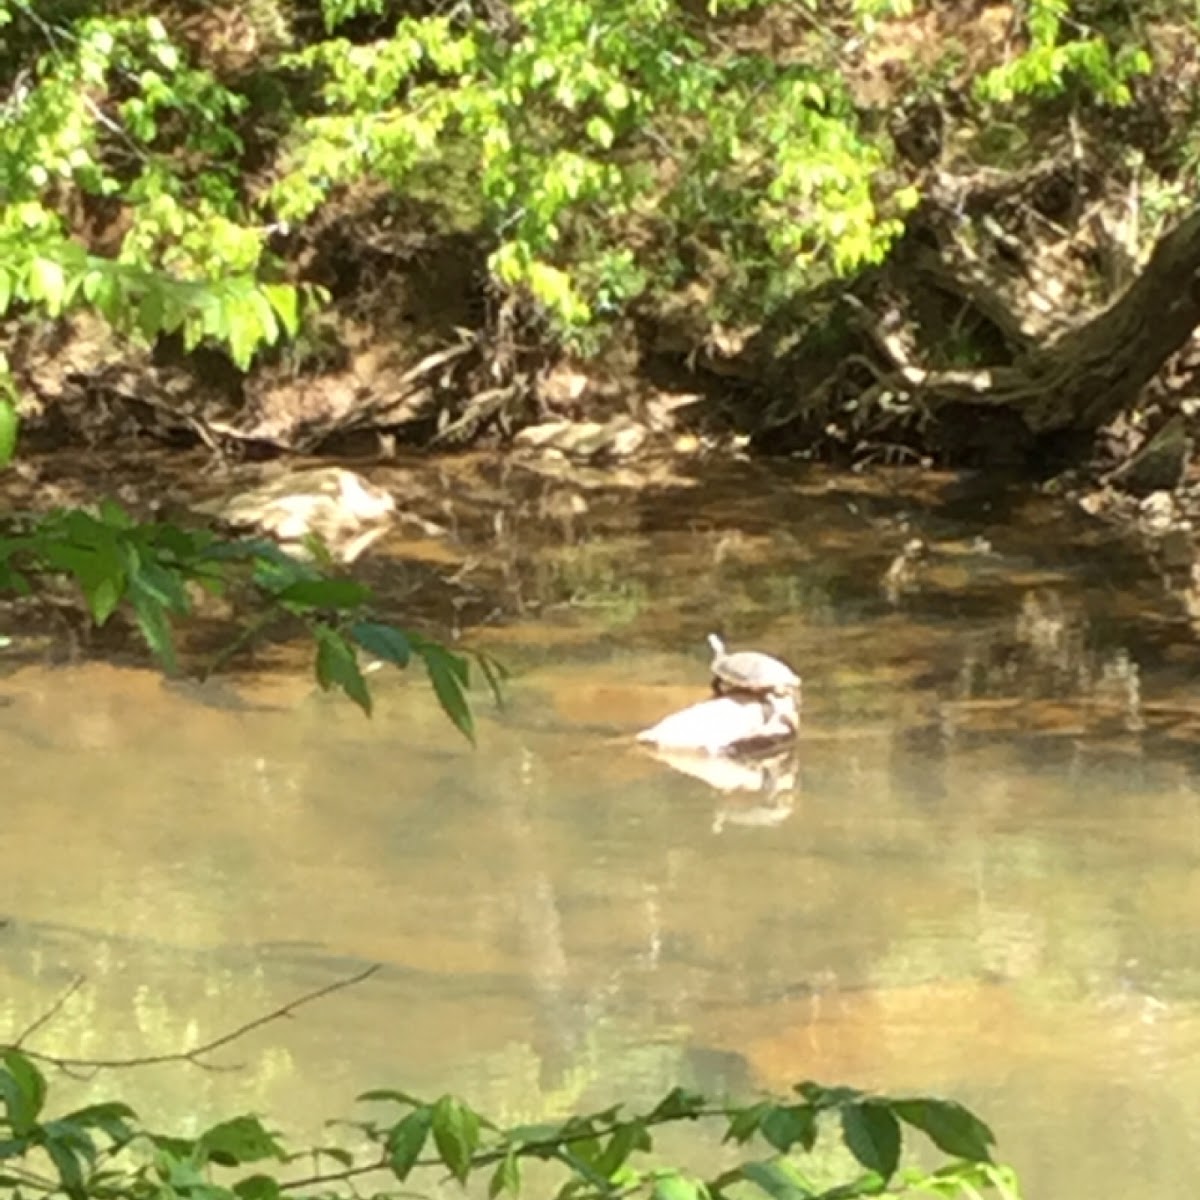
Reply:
x=603, y=150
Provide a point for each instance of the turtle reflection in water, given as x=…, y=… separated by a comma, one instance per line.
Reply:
x=756, y=704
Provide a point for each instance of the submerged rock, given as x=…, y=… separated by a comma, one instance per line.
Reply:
x=729, y=724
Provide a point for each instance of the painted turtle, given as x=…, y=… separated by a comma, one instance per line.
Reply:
x=750, y=671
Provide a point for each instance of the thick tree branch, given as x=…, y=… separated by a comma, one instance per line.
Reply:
x=1083, y=379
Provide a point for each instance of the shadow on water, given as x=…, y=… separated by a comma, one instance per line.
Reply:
x=977, y=874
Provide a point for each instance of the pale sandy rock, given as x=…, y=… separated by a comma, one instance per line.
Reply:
x=726, y=725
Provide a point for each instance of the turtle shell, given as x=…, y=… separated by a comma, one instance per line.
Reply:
x=750, y=670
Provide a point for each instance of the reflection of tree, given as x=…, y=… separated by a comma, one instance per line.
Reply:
x=559, y=1030
x=141, y=1002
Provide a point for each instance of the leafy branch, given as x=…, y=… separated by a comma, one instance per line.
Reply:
x=104, y=1152
x=155, y=570
x=101, y=1151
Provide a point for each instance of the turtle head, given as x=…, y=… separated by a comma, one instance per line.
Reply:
x=718, y=646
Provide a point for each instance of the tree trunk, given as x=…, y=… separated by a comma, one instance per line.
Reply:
x=1089, y=375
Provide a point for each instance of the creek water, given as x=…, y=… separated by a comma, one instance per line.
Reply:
x=977, y=878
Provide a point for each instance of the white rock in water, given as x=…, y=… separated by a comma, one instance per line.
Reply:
x=726, y=725
x=344, y=510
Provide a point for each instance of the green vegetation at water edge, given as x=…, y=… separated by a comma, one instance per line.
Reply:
x=157, y=570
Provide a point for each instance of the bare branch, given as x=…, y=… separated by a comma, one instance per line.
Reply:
x=51, y=1012
x=196, y=1054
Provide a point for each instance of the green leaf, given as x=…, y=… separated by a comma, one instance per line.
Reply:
x=456, y=1135
x=154, y=625
x=150, y=312
x=112, y=1117
x=172, y=1147
x=448, y=686
x=951, y=1127
x=543, y=1132
x=241, y=1140
x=70, y=1171
x=89, y=551
x=823, y=1097
x=744, y=1122
x=600, y=131
x=47, y=283
x=257, y=1187
x=111, y=513
x=74, y=1143
x=869, y=1184
x=325, y=593
x=455, y=663
x=494, y=674
x=384, y=641
x=10, y=424
x=872, y=1134
x=779, y=1179
x=95, y=282
x=103, y=594
x=317, y=549
x=678, y=1104
x=234, y=322
x=784, y=1126
x=507, y=1176
x=23, y=1090
x=626, y=1138
x=391, y=1094
x=406, y=1141
x=971, y=1179
x=678, y=1187
x=340, y=1156
x=284, y=299
x=164, y=585
x=583, y=1150
x=337, y=666
x=13, y=581
x=268, y=323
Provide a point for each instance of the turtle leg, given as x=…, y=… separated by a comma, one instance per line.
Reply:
x=718, y=688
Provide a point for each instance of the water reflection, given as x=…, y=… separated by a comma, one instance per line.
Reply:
x=752, y=789
x=977, y=874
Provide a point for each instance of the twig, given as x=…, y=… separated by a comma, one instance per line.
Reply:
x=51, y=1012
x=32, y=1179
x=196, y=1054
x=244, y=638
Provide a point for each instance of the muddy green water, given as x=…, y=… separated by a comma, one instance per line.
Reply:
x=979, y=878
